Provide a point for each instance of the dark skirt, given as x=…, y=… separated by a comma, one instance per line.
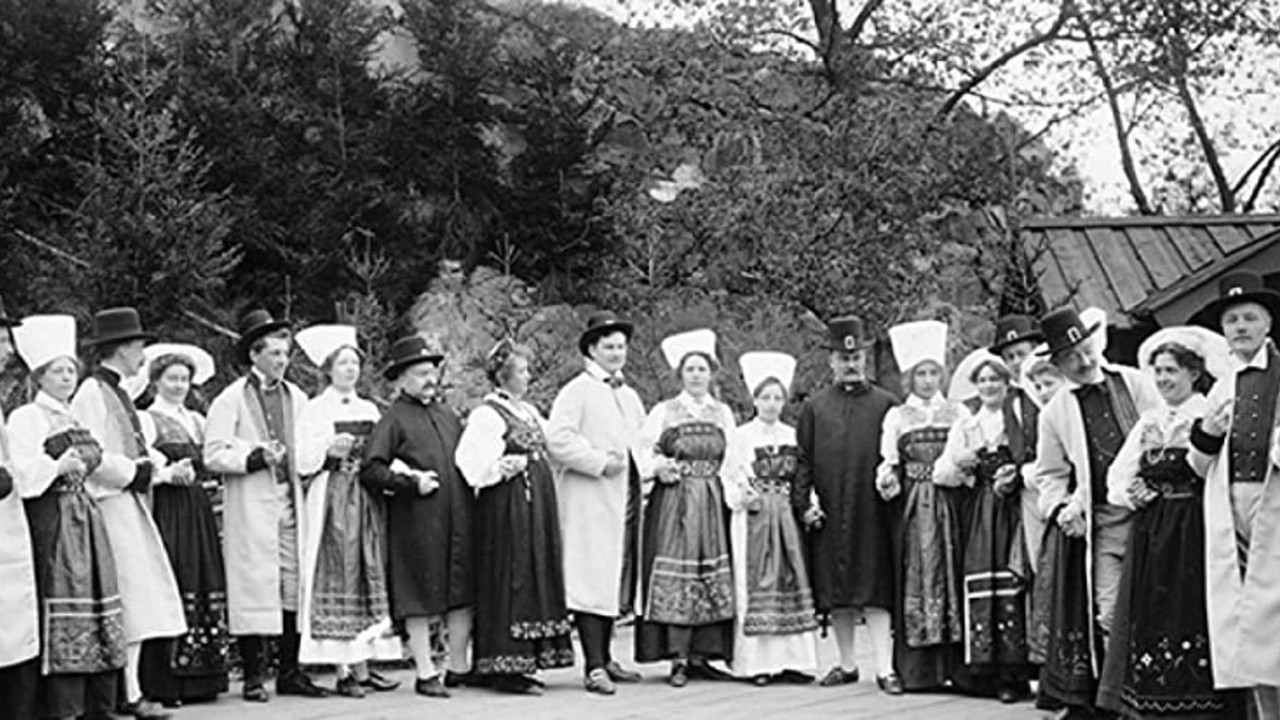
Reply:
x=194, y=665
x=1159, y=662
x=779, y=597
x=81, y=619
x=927, y=617
x=1067, y=677
x=349, y=593
x=995, y=601
x=522, y=624
x=686, y=573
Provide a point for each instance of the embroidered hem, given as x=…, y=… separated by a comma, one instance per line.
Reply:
x=541, y=629
x=524, y=664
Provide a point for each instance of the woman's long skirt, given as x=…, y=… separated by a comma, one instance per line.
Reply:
x=1158, y=662
x=686, y=573
x=346, y=604
x=994, y=595
x=775, y=631
x=1066, y=618
x=194, y=665
x=927, y=544
x=82, y=646
x=522, y=624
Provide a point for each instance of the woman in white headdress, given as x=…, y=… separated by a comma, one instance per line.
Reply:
x=686, y=578
x=928, y=537
x=978, y=455
x=774, y=635
x=192, y=666
x=345, y=617
x=82, y=643
x=1159, y=659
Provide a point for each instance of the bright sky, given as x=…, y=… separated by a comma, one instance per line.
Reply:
x=1241, y=109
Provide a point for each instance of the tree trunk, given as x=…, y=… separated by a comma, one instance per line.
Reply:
x=1178, y=54
x=1117, y=120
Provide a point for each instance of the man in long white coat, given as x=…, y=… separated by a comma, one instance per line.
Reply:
x=251, y=439
x=20, y=632
x=122, y=486
x=1081, y=430
x=593, y=435
x=1232, y=448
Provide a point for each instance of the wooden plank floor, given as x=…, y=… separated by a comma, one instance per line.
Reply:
x=652, y=699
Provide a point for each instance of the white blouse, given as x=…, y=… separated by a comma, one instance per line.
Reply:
x=682, y=408
x=483, y=440
x=983, y=429
x=739, y=462
x=913, y=414
x=1166, y=426
x=316, y=427
x=29, y=426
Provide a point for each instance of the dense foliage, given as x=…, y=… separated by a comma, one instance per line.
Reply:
x=322, y=157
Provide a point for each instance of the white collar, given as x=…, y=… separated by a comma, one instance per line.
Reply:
x=599, y=373
x=1193, y=407
x=1257, y=362
x=167, y=407
x=932, y=403
x=337, y=395
x=46, y=400
x=706, y=403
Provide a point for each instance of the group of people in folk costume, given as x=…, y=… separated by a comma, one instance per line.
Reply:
x=1108, y=530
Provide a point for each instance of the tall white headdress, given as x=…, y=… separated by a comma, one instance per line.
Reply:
x=759, y=366
x=318, y=342
x=916, y=342
x=41, y=338
x=676, y=347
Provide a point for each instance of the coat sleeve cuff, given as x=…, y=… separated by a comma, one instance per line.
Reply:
x=1203, y=441
x=257, y=461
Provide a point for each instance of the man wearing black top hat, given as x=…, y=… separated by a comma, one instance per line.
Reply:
x=1081, y=430
x=1233, y=449
x=409, y=458
x=838, y=437
x=594, y=436
x=122, y=484
x=250, y=438
x=19, y=634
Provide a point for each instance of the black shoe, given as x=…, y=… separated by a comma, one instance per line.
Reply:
x=795, y=677
x=349, y=687
x=297, y=683
x=702, y=670
x=679, y=674
x=839, y=676
x=255, y=692
x=431, y=687
x=456, y=680
x=378, y=683
x=891, y=684
x=514, y=685
x=619, y=675
x=144, y=709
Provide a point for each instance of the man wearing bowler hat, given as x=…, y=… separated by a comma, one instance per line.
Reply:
x=838, y=436
x=593, y=435
x=122, y=484
x=20, y=633
x=1233, y=448
x=250, y=439
x=1081, y=430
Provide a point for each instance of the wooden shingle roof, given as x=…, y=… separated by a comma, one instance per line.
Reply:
x=1134, y=267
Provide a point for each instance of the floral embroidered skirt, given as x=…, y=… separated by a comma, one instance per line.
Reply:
x=81, y=616
x=194, y=665
x=1158, y=662
x=686, y=573
x=521, y=622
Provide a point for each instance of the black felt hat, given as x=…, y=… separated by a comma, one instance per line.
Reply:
x=254, y=325
x=407, y=352
x=1236, y=288
x=848, y=333
x=117, y=325
x=1063, y=329
x=601, y=324
x=1013, y=329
